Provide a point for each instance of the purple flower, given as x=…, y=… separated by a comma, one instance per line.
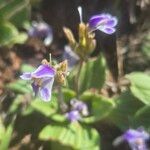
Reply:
x=73, y=115
x=103, y=22
x=43, y=78
x=136, y=139
x=80, y=106
x=70, y=56
x=78, y=109
x=42, y=31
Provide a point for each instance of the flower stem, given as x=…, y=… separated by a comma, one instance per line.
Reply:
x=63, y=106
x=77, y=78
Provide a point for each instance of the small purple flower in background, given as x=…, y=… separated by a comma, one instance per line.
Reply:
x=73, y=115
x=69, y=55
x=43, y=78
x=78, y=110
x=137, y=139
x=80, y=106
x=42, y=31
x=103, y=22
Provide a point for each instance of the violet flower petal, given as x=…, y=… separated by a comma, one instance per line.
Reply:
x=136, y=139
x=45, y=94
x=43, y=71
x=73, y=116
x=133, y=143
x=107, y=30
x=35, y=88
x=111, y=22
x=103, y=22
x=40, y=30
x=46, y=88
x=132, y=134
x=80, y=106
x=26, y=76
x=71, y=56
x=94, y=21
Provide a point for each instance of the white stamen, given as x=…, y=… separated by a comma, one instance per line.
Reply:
x=80, y=13
x=50, y=58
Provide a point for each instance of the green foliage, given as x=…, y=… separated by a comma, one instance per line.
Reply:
x=45, y=108
x=68, y=94
x=7, y=32
x=15, y=104
x=132, y=107
x=27, y=68
x=73, y=135
x=126, y=107
x=142, y=117
x=140, y=86
x=10, y=35
x=13, y=13
x=13, y=8
x=20, y=86
x=58, y=117
x=92, y=75
x=5, y=135
x=2, y=129
x=101, y=106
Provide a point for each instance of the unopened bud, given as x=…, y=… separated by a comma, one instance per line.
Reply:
x=70, y=37
x=61, y=72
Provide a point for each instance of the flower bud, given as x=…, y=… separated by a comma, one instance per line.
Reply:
x=70, y=37
x=61, y=72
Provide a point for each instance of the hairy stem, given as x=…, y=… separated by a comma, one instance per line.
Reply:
x=63, y=106
x=77, y=78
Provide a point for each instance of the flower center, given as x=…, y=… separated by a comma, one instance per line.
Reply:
x=139, y=141
x=37, y=81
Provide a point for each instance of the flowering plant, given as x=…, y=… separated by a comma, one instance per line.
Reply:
x=73, y=96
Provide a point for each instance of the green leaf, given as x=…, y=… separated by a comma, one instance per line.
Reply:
x=71, y=81
x=7, y=32
x=6, y=137
x=68, y=94
x=20, y=38
x=10, y=35
x=86, y=96
x=73, y=135
x=22, y=18
x=27, y=68
x=140, y=86
x=13, y=12
x=2, y=129
x=58, y=117
x=11, y=8
x=46, y=108
x=142, y=117
x=16, y=103
x=126, y=107
x=92, y=74
x=100, y=106
x=20, y=86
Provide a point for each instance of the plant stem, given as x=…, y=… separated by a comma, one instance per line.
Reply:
x=77, y=78
x=63, y=106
